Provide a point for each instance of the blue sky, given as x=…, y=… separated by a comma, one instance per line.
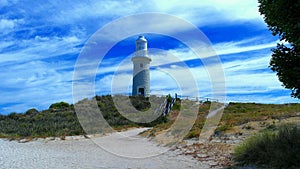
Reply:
x=41, y=40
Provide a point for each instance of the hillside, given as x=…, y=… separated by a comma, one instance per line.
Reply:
x=239, y=122
x=61, y=119
x=236, y=114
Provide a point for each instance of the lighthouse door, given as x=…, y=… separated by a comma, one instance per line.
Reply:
x=141, y=91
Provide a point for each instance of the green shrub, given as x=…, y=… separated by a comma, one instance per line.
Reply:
x=59, y=105
x=276, y=148
x=224, y=127
x=140, y=103
x=177, y=105
x=31, y=111
x=193, y=134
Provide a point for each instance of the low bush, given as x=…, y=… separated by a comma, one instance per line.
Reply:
x=59, y=105
x=274, y=148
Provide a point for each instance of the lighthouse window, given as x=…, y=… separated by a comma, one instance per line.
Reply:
x=141, y=65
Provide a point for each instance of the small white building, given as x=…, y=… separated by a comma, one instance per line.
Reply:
x=141, y=73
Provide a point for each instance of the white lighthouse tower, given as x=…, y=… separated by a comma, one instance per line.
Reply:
x=141, y=64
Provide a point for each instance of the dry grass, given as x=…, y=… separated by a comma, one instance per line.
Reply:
x=237, y=117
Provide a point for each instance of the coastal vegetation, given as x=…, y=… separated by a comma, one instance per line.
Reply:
x=277, y=147
x=235, y=114
x=60, y=119
x=271, y=129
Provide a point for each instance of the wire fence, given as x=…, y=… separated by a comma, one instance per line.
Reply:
x=197, y=99
x=176, y=96
x=166, y=106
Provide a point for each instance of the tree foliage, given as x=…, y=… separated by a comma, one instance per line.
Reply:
x=283, y=19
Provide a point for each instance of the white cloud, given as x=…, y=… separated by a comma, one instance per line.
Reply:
x=242, y=46
x=199, y=12
x=211, y=11
x=34, y=84
x=173, y=57
x=8, y=25
x=103, y=11
x=5, y=44
x=40, y=48
x=255, y=62
x=114, y=84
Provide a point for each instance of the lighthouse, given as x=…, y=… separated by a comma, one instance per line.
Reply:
x=141, y=73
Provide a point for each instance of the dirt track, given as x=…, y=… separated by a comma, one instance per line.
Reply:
x=123, y=150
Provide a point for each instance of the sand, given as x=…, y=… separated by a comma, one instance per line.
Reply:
x=121, y=150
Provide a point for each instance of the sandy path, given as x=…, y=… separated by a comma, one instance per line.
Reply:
x=84, y=153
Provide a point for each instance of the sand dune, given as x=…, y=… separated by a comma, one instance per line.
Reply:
x=122, y=150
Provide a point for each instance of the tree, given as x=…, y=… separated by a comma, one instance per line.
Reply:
x=283, y=19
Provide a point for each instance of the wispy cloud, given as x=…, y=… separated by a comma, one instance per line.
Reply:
x=212, y=12
x=40, y=42
x=242, y=46
x=38, y=48
x=244, y=77
x=33, y=84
